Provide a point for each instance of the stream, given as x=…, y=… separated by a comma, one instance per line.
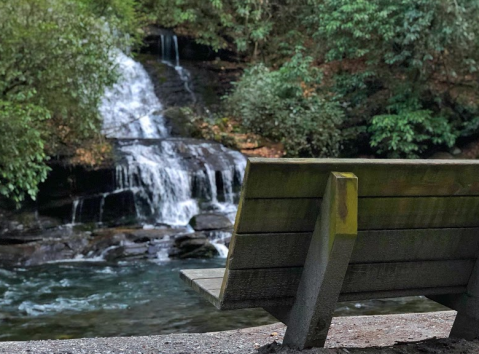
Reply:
x=88, y=299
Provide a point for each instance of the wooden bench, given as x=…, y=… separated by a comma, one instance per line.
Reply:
x=312, y=232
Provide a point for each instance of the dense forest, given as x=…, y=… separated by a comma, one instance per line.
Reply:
x=389, y=78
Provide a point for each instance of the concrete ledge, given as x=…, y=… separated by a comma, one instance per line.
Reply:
x=361, y=334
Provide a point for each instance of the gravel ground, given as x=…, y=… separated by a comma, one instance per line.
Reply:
x=390, y=334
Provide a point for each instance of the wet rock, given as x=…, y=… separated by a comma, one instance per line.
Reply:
x=104, y=244
x=40, y=252
x=15, y=255
x=180, y=124
x=195, y=245
x=54, y=251
x=124, y=243
x=15, y=226
x=210, y=221
x=119, y=209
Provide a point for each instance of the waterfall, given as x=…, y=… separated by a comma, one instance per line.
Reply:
x=74, y=210
x=221, y=249
x=130, y=109
x=171, y=179
x=169, y=48
x=218, y=241
x=170, y=55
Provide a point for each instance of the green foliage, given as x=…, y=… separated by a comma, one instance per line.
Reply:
x=21, y=150
x=286, y=105
x=254, y=27
x=408, y=131
x=55, y=62
x=414, y=49
x=123, y=16
x=418, y=35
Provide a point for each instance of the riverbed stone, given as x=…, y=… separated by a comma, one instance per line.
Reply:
x=53, y=250
x=44, y=251
x=24, y=226
x=193, y=245
x=210, y=221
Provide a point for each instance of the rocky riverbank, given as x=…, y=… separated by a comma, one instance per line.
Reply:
x=27, y=239
x=390, y=334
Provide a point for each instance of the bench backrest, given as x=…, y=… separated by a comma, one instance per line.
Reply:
x=418, y=223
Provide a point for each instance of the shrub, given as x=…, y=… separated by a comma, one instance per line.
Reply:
x=286, y=105
x=409, y=132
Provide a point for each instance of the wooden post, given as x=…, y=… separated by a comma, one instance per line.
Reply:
x=326, y=263
x=466, y=324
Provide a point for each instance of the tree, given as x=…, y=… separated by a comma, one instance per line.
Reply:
x=424, y=52
x=258, y=28
x=55, y=62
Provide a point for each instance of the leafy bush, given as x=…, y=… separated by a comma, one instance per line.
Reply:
x=286, y=105
x=409, y=132
x=22, y=155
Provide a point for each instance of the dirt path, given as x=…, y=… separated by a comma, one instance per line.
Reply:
x=358, y=335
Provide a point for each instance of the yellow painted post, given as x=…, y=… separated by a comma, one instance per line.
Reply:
x=326, y=263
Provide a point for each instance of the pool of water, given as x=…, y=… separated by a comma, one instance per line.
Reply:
x=86, y=299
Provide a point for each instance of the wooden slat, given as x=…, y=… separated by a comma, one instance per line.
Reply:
x=416, y=245
x=299, y=215
x=269, y=250
x=252, y=303
x=278, y=250
x=402, y=293
x=277, y=215
x=209, y=288
x=260, y=283
x=306, y=178
x=194, y=274
x=406, y=275
x=373, y=277
x=207, y=282
x=400, y=213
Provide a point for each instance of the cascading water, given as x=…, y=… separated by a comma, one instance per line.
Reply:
x=131, y=109
x=172, y=179
x=170, y=56
x=169, y=48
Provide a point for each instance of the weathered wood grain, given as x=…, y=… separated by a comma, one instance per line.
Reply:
x=194, y=274
x=299, y=215
x=326, y=264
x=401, y=293
x=275, y=250
x=406, y=275
x=374, y=246
x=418, y=232
x=306, y=178
x=206, y=282
x=240, y=285
x=282, y=250
x=277, y=215
x=253, y=303
x=401, y=213
x=372, y=277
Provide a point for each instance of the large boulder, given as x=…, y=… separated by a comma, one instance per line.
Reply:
x=210, y=221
